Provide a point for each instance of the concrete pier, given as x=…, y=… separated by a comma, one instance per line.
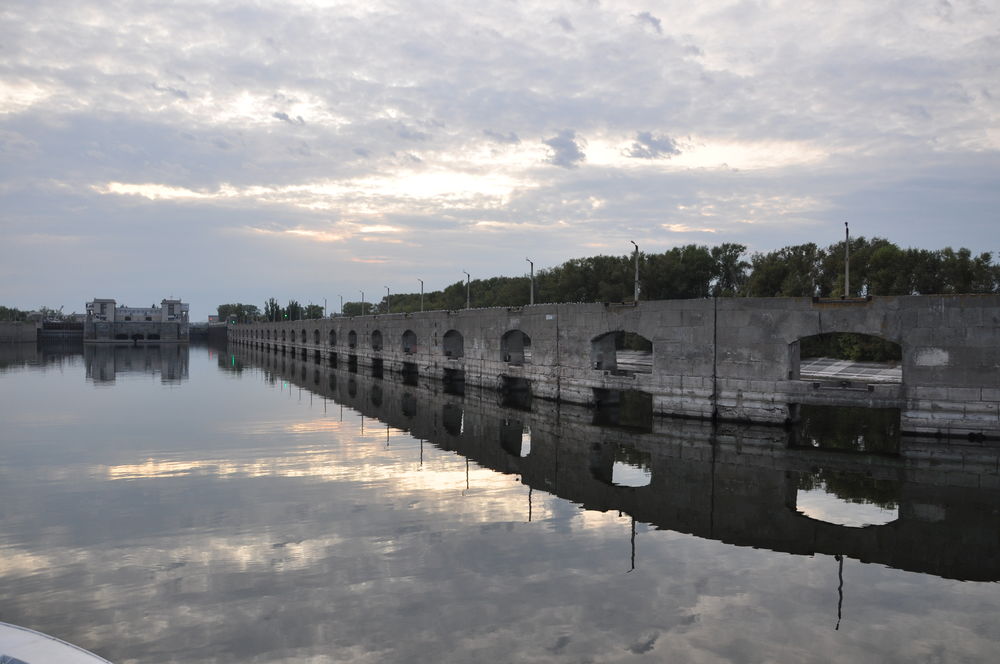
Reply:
x=727, y=358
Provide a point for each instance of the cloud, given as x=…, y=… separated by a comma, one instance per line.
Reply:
x=180, y=94
x=564, y=23
x=565, y=149
x=649, y=146
x=284, y=117
x=509, y=137
x=650, y=20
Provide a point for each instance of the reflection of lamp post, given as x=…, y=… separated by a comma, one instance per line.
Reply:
x=531, y=282
x=468, y=281
x=388, y=306
x=421, y=294
x=636, y=297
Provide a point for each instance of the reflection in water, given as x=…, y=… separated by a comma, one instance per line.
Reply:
x=847, y=429
x=265, y=515
x=848, y=498
x=105, y=362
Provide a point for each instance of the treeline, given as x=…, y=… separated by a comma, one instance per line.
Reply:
x=877, y=267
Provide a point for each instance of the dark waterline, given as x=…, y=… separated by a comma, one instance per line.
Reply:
x=224, y=505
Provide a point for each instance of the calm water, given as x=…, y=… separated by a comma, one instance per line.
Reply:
x=166, y=505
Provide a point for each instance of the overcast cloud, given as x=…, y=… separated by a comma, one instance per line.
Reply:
x=221, y=151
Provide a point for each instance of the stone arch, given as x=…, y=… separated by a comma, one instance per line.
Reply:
x=845, y=359
x=409, y=342
x=377, y=340
x=316, y=336
x=622, y=353
x=352, y=339
x=332, y=338
x=283, y=335
x=302, y=335
x=453, y=344
x=515, y=347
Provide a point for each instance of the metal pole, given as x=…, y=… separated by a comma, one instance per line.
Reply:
x=468, y=281
x=341, y=305
x=531, y=297
x=636, y=297
x=421, y=294
x=324, y=307
x=847, y=261
x=388, y=306
x=362, y=302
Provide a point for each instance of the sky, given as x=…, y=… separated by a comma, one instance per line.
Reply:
x=235, y=151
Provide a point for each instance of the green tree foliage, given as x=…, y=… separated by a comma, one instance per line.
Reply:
x=243, y=312
x=272, y=310
x=12, y=314
x=878, y=267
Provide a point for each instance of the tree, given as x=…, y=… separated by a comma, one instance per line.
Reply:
x=730, y=271
x=243, y=312
x=272, y=310
x=294, y=310
x=313, y=311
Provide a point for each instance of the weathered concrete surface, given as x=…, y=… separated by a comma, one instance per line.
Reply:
x=728, y=358
x=16, y=332
x=736, y=483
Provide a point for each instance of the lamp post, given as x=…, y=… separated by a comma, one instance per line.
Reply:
x=636, y=297
x=341, y=305
x=388, y=305
x=847, y=261
x=362, y=302
x=531, y=282
x=468, y=281
x=421, y=294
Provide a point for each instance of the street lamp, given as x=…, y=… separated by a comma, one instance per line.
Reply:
x=468, y=280
x=531, y=281
x=362, y=302
x=388, y=306
x=421, y=293
x=636, y=297
x=847, y=261
x=341, y=305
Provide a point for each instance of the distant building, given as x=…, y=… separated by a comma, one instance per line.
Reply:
x=213, y=318
x=108, y=323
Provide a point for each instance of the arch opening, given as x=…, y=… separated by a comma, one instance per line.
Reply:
x=622, y=353
x=409, y=342
x=377, y=340
x=453, y=344
x=316, y=336
x=332, y=338
x=352, y=339
x=845, y=360
x=302, y=335
x=515, y=348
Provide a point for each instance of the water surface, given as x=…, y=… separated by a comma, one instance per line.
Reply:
x=214, y=505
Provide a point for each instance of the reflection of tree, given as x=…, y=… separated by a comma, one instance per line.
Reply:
x=852, y=487
x=852, y=429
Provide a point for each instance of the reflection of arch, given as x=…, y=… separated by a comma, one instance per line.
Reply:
x=283, y=332
x=316, y=336
x=622, y=353
x=332, y=338
x=454, y=344
x=821, y=358
x=377, y=340
x=409, y=342
x=453, y=419
x=352, y=339
x=515, y=347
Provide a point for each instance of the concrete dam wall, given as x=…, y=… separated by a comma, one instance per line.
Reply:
x=726, y=358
